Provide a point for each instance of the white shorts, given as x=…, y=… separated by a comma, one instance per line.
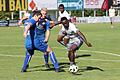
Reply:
x=61, y=32
x=77, y=43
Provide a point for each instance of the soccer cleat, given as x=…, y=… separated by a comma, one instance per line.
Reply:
x=47, y=66
x=58, y=70
x=23, y=70
x=27, y=66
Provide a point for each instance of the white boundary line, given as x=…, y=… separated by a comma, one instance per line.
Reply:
x=11, y=45
x=113, y=54
x=22, y=56
x=108, y=53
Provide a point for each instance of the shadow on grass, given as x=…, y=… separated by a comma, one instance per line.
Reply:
x=39, y=68
x=90, y=68
x=64, y=65
x=61, y=64
x=83, y=55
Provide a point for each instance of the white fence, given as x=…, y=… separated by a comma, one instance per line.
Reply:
x=96, y=19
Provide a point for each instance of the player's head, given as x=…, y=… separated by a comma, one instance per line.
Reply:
x=65, y=22
x=44, y=11
x=37, y=15
x=34, y=9
x=61, y=8
x=111, y=6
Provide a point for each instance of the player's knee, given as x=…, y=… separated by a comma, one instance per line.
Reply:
x=59, y=40
x=49, y=49
x=30, y=52
x=66, y=40
x=73, y=48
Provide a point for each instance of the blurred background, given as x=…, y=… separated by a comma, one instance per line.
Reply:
x=85, y=11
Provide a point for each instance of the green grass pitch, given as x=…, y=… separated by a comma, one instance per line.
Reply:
x=101, y=62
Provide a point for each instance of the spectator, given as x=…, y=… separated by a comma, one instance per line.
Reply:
x=111, y=15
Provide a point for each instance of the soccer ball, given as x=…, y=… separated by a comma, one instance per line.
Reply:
x=73, y=69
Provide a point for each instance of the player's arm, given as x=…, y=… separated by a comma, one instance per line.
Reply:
x=24, y=18
x=47, y=34
x=53, y=23
x=66, y=40
x=84, y=38
x=27, y=29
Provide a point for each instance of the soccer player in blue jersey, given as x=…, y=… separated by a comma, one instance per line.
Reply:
x=27, y=16
x=44, y=12
x=29, y=37
x=36, y=38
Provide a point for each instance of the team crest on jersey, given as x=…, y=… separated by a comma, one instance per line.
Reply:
x=40, y=27
x=70, y=32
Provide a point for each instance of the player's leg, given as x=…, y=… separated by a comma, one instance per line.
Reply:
x=27, y=59
x=72, y=47
x=29, y=53
x=71, y=54
x=46, y=58
x=111, y=21
x=43, y=47
x=53, y=59
x=60, y=39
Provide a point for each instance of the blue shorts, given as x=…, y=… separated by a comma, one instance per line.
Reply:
x=35, y=44
x=40, y=45
x=29, y=43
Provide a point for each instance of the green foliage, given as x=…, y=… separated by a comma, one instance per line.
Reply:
x=88, y=12
x=100, y=13
x=77, y=13
x=5, y=15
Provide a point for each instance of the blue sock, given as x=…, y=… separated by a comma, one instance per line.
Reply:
x=46, y=56
x=54, y=60
x=27, y=60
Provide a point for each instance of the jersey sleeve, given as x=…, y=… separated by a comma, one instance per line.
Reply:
x=27, y=14
x=73, y=28
x=31, y=23
x=27, y=23
x=67, y=15
x=59, y=18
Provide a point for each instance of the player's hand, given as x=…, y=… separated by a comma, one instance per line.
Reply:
x=89, y=44
x=20, y=22
x=64, y=32
x=25, y=35
x=45, y=41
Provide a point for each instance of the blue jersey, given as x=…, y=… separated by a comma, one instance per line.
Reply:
x=29, y=41
x=27, y=19
x=41, y=28
x=32, y=23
